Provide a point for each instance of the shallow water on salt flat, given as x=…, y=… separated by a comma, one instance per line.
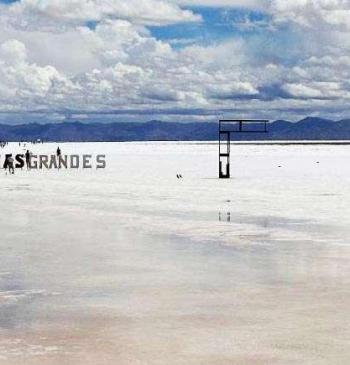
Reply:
x=130, y=265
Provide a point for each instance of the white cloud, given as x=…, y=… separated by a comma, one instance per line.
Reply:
x=234, y=90
x=302, y=91
x=32, y=13
x=25, y=85
x=257, y=4
x=13, y=52
x=50, y=60
x=313, y=13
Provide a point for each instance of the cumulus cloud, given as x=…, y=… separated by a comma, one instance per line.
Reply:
x=13, y=51
x=24, y=85
x=313, y=13
x=31, y=13
x=233, y=91
x=51, y=60
x=254, y=4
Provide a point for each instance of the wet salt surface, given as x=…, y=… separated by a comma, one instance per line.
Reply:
x=129, y=265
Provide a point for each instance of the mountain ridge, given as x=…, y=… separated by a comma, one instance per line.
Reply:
x=309, y=128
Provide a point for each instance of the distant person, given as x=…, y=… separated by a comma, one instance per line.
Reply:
x=59, y=154
x=6, y=162
x=28, y=157
x=10, y=164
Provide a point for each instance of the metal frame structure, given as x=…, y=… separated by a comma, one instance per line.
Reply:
x=225, y=130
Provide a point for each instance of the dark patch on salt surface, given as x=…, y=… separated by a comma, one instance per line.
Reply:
x=327, y=194
x=20, y=187
x=16, y=302
x=296, y=225
x=9, y=282
x=265, y=221
x=18, y=308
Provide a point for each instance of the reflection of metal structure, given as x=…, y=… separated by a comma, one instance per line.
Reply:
x=228, y=126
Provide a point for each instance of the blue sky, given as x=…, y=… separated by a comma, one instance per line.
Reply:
x=218, y=24
x=174, y=59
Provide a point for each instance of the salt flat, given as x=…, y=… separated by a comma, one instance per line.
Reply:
x=130, y=265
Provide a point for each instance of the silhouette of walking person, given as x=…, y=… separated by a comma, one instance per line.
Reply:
x=28, y=157
x=58, y=154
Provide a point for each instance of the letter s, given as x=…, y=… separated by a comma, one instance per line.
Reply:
x=101, y=161
x=20, y=161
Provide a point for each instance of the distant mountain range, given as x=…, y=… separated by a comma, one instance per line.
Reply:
x=306, y=129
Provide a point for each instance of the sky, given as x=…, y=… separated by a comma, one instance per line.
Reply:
x=173, y=60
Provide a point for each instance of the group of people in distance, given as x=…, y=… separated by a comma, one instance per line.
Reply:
x=3, y=144
x=9, y=163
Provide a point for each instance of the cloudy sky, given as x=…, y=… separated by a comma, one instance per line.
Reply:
x=173, y=59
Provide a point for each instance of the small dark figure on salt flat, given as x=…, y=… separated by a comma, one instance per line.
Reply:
x=28, y=156
x=9, y=162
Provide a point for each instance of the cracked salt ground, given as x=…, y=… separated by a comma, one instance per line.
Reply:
x=129, y=265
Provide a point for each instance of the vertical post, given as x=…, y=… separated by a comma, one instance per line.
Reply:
x=220, y=163
x=228, y=167
x=224, y=156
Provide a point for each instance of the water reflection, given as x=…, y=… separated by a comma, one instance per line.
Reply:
x=87, y=279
